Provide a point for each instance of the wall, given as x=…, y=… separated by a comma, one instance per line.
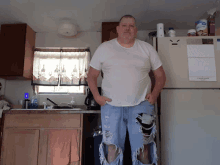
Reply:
x=14, y=90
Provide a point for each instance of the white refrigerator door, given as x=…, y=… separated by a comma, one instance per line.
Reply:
x=190, y=127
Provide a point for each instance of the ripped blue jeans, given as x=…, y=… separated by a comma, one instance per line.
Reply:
x=140, y=120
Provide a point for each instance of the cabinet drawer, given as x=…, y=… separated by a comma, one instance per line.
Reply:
x=43, y=120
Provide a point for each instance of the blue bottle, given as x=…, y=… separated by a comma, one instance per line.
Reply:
x=34, y=102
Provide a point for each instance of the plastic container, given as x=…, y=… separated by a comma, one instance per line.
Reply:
x=172, y=32
x=202, y=27
x=34, y=102
x=191, y=32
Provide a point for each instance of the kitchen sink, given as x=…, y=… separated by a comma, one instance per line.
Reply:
x=69, y=108
x=62, y=107
x=41, y=109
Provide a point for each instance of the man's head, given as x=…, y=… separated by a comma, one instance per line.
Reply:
x=127, y=16
x=127, y=29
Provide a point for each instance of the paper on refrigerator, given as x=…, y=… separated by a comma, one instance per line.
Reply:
x=201, y=62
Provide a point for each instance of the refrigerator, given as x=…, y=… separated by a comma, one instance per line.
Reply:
x=190, y=100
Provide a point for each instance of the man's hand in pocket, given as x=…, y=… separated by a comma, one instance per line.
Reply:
x=151, y=98
x=101, y=100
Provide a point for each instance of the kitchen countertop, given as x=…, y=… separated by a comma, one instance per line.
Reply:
x=51, y=111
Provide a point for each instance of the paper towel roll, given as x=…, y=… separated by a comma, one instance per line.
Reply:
x=160, y=30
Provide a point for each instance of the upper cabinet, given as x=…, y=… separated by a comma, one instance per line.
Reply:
x=17, y=51
x=109, y=31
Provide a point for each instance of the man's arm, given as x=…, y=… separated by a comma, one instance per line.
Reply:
x=160, y=79
x=93, y=74
x=92, y=82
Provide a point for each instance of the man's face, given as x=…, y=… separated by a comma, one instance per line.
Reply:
x=127, y=29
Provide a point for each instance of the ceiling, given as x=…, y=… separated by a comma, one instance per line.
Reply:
x=88, y=15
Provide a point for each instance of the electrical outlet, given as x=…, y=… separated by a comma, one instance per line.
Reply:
x=2, y=86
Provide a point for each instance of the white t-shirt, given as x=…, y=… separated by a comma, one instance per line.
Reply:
x=126, y=71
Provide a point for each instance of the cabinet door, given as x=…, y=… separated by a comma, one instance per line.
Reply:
x=109, y=31
x=60, y=146
x=20, y=146
x=12, y=49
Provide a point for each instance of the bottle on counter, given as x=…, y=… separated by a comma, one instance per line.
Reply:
x=34, y=102
x=45, y=105
x=72, y=103
x=160, y=30
x=171, y=32
x=211, y=26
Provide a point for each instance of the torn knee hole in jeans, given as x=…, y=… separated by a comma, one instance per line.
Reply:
x=104, y=151
x=146, y=122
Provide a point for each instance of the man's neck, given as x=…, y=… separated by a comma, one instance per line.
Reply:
x=126, y=43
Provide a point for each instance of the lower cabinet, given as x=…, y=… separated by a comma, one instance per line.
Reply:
x=59, y=147
x=20, y=147
x=48, y=145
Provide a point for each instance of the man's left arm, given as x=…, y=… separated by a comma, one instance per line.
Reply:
x=160, y=79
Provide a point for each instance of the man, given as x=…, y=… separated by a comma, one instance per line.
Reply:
x=127, y=101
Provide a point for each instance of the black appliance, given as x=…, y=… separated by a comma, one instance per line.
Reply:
x=90, y=101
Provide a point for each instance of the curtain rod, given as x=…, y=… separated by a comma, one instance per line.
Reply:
x=62, y=50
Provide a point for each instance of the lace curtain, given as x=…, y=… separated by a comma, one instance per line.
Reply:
x=64, y=67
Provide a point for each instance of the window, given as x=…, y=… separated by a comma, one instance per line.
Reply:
x=60, y=70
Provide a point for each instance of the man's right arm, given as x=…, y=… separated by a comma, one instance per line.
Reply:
x=92, y=82
x=92, y=77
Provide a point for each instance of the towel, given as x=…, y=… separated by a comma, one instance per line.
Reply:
x=64, y=147
x=4, y=105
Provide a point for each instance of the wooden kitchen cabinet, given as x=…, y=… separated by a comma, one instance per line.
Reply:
x=17, y=51
x=20, y=147
x=59, y=146
x=42, y=139
x=109, y=31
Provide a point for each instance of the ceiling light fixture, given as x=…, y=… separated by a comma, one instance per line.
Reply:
x=66, y=28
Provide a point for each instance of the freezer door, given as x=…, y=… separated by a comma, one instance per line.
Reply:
x=173, y=54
